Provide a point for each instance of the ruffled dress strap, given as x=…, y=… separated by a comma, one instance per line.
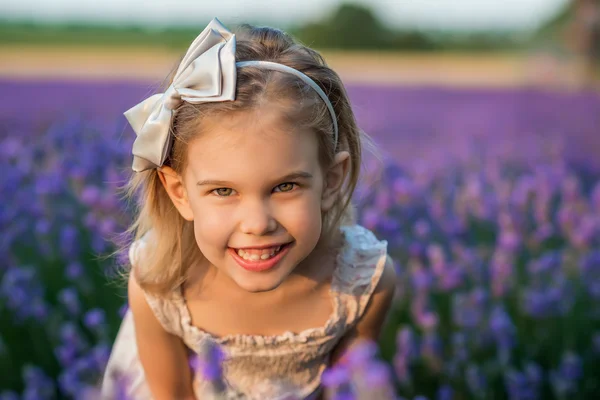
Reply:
x=167, y=311
x=360, y=266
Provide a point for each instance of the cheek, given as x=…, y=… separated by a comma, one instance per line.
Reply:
x=302, y=217
x=210, y=226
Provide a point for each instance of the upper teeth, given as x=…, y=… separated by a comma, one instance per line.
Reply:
x=255, y=255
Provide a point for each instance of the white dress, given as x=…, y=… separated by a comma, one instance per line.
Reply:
x=261, y=367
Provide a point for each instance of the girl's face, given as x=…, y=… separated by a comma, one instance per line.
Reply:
x=255, y=191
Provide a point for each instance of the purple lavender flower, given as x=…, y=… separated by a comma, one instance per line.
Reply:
x=90, y=392
x=382, y=201
x=100, y=354
x=43, y=226
x=596, y=342
x=9, y=395
x=336, y=376
x=546, y=264
x=449, y=171
x=99, y=243
x=445, y=392
x=208, y=364
x=65, y=354
x=450, y=277
x=422, y=312
x=504, y=333
x=23, y=293
x=432, y=350
x=69, y=382
x=360, y=354
x=534, y=373
x=94, y=319
x=519, y=387
x=377, y=375
x=123, y=310
x=565, y=378
x=70, y=300
x=74, y=271
x=476, y=380
x=589, y=268
x=37, y=384
x=337, y=383
x=39, y=309
x=370, y=218
x=407, y=351
x=69, y=241
x=459, y=347
x=421, y=278
x=370, y=378
x=90, y=221
x=544, y=299
x=469, y=308
x=107, y=226
x=70, y=335
x=509, y=240
x=403, y=190
x=90, y=195
x=421, y=229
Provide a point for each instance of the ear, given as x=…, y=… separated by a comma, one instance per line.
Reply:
x=334, y=179
x=173, y=184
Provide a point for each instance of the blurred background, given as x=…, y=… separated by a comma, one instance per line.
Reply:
x=467, y=42
x=487, y=115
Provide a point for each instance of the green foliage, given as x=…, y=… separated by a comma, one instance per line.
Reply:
x=349, y=27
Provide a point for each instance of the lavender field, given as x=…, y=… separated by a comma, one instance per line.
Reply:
x=489, y=199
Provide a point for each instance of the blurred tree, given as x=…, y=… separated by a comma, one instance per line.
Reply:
x=583, y=36
x=577, y=28
x=349, y=27
x=356, y=27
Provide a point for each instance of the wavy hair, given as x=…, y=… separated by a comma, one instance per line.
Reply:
x=169, y=259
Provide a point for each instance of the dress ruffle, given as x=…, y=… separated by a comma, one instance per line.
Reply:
x=253, y=361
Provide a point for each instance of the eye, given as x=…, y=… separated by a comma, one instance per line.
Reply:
x=286, y=187
x=223, y=192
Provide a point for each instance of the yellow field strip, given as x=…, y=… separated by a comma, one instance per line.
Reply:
x=145, y=64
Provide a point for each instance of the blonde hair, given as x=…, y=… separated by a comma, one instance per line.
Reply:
x=167, y=267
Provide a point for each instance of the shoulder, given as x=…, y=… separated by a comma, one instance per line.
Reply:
x=360, y=238
x=362, y=258
x=142, y=310
x=135, y=293
x=372, y=311
x=140, y=302
x=367, y=272
x=370, y=253
x=151, y=311
x=385, y=289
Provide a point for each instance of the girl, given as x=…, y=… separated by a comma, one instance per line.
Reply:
x=244, y=238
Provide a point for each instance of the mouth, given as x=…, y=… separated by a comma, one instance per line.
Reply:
x=257, y=260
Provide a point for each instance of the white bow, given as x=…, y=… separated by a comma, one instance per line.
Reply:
x=207, y=73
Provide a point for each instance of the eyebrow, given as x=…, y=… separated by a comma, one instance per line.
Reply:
x=288, y=177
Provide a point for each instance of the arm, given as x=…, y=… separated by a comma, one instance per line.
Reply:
x=369, y=326
x=163, y=356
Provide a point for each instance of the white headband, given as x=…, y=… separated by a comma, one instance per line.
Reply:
x=207, y=73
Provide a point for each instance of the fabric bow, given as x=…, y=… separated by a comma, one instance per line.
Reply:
x=207, y=73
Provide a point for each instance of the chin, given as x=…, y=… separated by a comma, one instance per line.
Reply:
x=257, y=284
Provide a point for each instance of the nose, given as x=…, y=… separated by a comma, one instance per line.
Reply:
x=256, y=218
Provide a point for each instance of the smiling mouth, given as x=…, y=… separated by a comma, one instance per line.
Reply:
x=259, y=254
x=259, y=260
